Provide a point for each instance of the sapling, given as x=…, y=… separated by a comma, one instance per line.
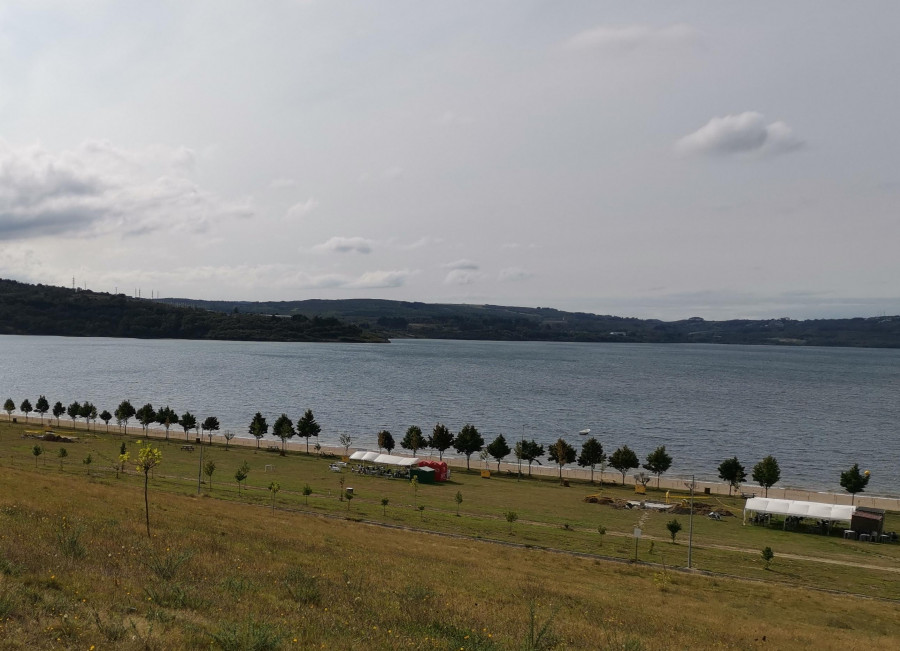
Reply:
x=307, y=491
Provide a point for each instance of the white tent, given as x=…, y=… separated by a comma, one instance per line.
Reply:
x=391, y=460
x=359, y=455
x=800, y=509
x=370, y=456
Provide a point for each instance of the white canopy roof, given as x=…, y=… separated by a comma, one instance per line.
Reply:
x=386, y=459
x=800, y=508
x=391, y=460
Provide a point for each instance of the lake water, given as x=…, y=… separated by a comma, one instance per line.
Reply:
x=818, y=410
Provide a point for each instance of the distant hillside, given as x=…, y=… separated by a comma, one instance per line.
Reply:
x=46, y=310
x=401, y=319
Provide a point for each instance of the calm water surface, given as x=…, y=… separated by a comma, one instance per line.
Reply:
x=818, y=410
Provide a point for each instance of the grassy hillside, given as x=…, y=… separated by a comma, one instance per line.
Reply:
x=46, y=310
x=223, y=569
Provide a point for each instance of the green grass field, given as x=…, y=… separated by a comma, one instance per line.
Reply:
x=223, y=569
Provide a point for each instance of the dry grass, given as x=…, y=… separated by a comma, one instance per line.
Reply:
x=76, y=568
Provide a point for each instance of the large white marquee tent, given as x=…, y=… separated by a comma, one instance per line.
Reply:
x=384, y=459
x=800, y=509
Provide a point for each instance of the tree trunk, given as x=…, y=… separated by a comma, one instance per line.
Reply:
x=147, y=501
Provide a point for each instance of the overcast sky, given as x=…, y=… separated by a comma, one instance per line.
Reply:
x=654, y=159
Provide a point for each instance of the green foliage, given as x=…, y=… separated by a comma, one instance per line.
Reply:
x=125, y=412
x=385, y=440
x=250, y=635
x=42, y=407
x=73, y=411
x=307, y=427
x=146, y=415
x=602, y=531
x=733, y=472
x=529, y=451
x=459, y=500
x=539, y=637
x=658, y=462
x=62, y=453
x=188, y=422
x=561, y=453
x=273, y=488
x=241, y=473
x=148, y=459
x=499, y=449
x=58, y=410
x=768, y=556
x=623, y=460
x=26, y=408
x=441, y=439
x=258, y=427
x=68, y=539
x=307, y=491
x=674, y=526
x=511, y=517
x=209, y=467
x=167, y=417
x=591, y=454
x=413, y=439
x=384, y=502
x=87, y=461
x=302, y=587
x=166, y=564
x=88, y=412
x=283, y=429
x=105, y=416
x=766, y=473
x=37, y=451
x=853, y=481
x=468, y=442
x=211, y=425
x=346, y=441
x=9, y=407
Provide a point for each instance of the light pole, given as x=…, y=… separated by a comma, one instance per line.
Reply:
x=691, y=523
x=521, y=449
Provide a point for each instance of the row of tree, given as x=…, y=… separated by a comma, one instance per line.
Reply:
x=467, y=441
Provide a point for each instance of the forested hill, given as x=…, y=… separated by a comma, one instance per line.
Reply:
x=399, y=319
x=47, y=310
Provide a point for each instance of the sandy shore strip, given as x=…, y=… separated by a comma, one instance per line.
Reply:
x=677, y=484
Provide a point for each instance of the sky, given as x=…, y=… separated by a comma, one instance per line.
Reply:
x=654, y=159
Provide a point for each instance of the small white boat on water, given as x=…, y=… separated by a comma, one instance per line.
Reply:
x=585, y=432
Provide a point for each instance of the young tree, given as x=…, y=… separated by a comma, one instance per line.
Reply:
x=209, y=467
x=459, y=500
x=188, y=422
x=307, y=426
x=73, y=411
x=529, y=451
x=468, y=442
x=283, y=429
x=167, y=417
x=228, y=434
x=211, y=425
x=498, y=449
x=767, y=473
x=602, y=531
x=87, y=461
x=58, y=410
x=241, y=474
x=105, y=416
x=307, y=491
x=658, y=462
x=258, y=428
x=9, y=407
x=146, y=415
x=384, y=502
x=274, y=487
x=385, y=440
x=413, y=439
x=767, y=555
x=591, y=454
x=853, y=481
x=346, y=441
x=148, y=458
x=511, y=516
x=125, y=412
x=562, y=453
x=87, y=411
x=124, y=458
x=93, y=416
x=674, y=526
x=26, y=408
x=42, y=407
x=623, y=460
x=441, y=439
x=733, y=472
x=62, y=453
x=37, y=451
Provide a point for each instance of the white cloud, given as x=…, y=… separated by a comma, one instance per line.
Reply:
x=514, y=274
x=737, y=134
x=302, y=208
x=421, y=242
x=380, y=279
x=392, y=173
x=344, y=245
x=97, y=188
x=462, y=277
x=464, y=264
x=631, y=37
